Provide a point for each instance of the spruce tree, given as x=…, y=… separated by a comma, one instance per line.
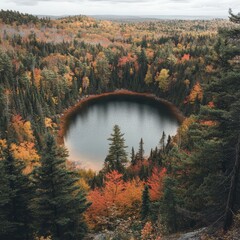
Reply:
x=168, y=206
x=140, y=153
x=230, y=92
x=133, y=157
x=117, y=155
x=16, y=193
x=162, y=142
x=59, y=203
x=234, y=18
x=145, y=210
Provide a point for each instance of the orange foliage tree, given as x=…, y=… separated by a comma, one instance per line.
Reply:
x=196, y=93
x=22, y=129
x=155, y=183
x=24, y=147
x=125, y=59
x=37, y=76
x=185, y=57
x=116, y=198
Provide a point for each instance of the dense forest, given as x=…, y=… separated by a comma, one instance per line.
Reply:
x=188, y=182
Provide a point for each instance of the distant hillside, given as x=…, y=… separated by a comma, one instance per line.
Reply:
x=120, y=18
x=153, y=17
x=129, y=18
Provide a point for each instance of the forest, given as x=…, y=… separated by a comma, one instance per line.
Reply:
x=190, y=181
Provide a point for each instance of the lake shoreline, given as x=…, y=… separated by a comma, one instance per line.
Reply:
x=122, y=92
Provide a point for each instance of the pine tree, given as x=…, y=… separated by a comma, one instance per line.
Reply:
x=59, y=203
x=143, y=63
x=168, y=207
x=144, y=172
x=4, y=198
x=145, y=210
x=133, y=157
x=16, y=192
x=230, y=92
x=163, y=141
x=117, y=155
x=140, y=153
x=234, y=18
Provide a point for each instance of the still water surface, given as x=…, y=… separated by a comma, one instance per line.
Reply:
x=138, y=117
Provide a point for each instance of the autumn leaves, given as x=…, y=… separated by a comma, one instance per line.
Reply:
x=121, y=199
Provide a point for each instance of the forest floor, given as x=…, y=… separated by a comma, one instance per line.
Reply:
x=200, y=234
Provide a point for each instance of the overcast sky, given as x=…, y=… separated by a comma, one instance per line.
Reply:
x=123, y=7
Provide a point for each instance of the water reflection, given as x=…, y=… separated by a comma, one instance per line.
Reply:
x=138, y=117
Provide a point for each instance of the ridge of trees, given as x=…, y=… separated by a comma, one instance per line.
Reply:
x=10, y=17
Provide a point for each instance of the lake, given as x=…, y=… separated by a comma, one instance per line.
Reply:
x=89, y=127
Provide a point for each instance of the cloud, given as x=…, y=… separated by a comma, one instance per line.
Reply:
x=35, y=2
x=123, y=7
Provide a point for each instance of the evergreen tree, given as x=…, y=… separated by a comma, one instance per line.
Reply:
x=133, y=157
x=145, y=210
x=168, y=207
x=163, y=141
x=59, y=203
x=16, y=193
x=140, y=153
x=144, y=172
x=234, y=18
x=143, y=63
x=230, y=126
x=117, y=155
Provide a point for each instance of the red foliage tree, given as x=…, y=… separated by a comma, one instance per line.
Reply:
x=155, y=183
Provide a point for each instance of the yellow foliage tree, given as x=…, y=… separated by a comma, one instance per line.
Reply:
x=148, y=78
x=26, y=152
x=3, y=146
x=183, y=130
x=162, y=79
x=22, y=129
x=85, y=83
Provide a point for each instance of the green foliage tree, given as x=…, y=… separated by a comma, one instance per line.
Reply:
x=227, y=100
x=133, y=157
x=11, y=17
x=145, y=209
x=168, y=207
x=117, y=155
x=140, y=153
x=16, y=194
x=143, y=63
x=163, y=142
x=234, y=18
x=59, y=203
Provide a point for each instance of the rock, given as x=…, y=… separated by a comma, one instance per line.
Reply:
x=196, y=235
x=101, y=236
